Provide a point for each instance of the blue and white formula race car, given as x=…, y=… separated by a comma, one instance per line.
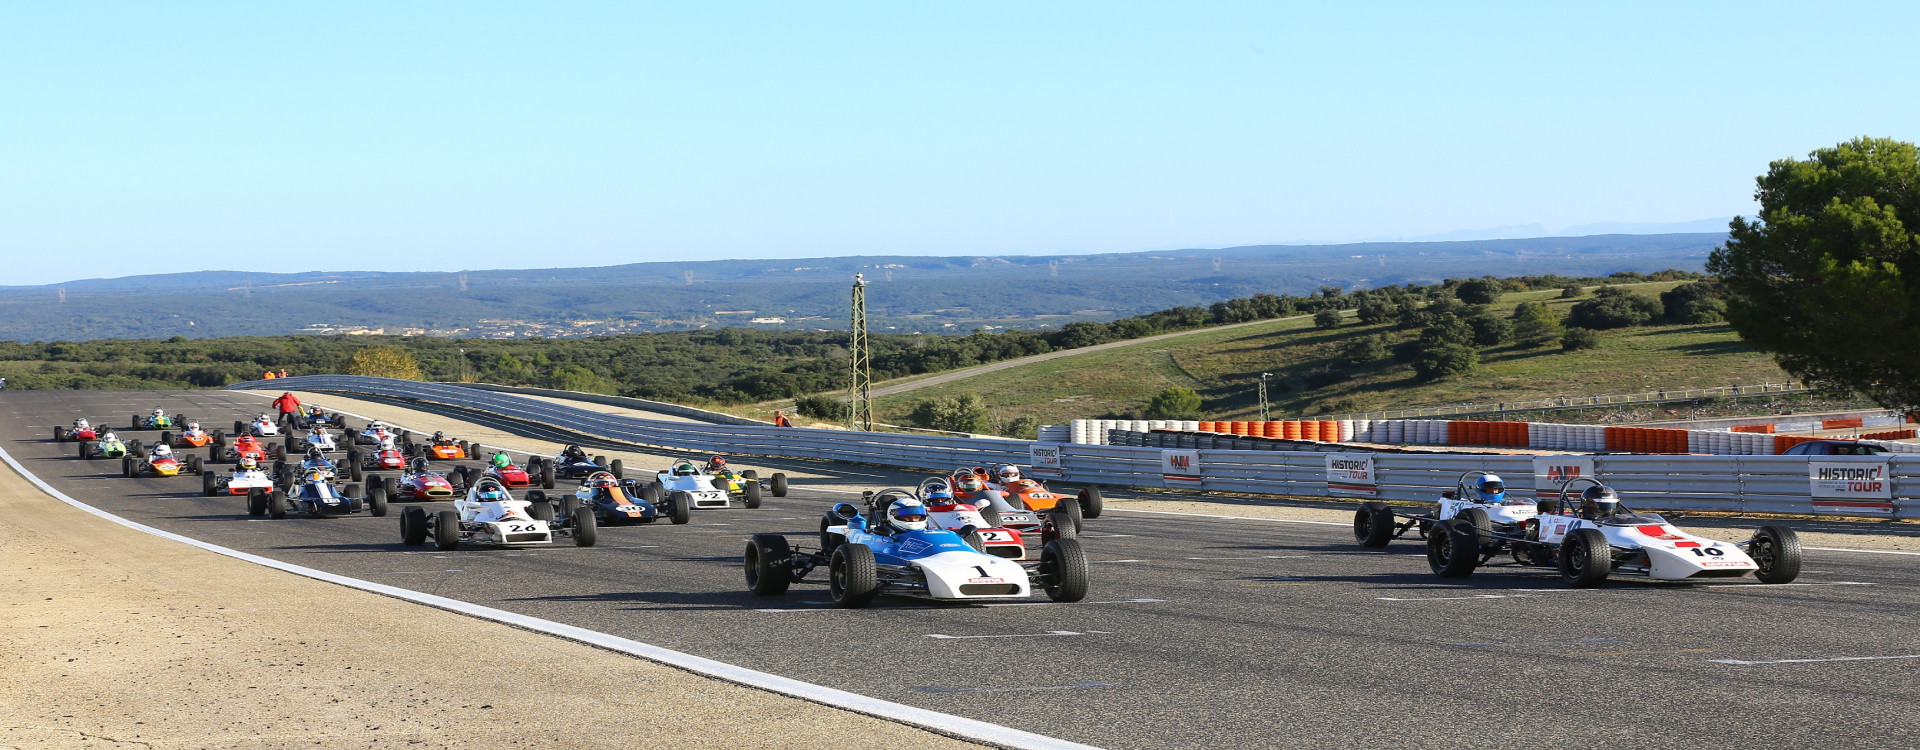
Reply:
x=903, y=555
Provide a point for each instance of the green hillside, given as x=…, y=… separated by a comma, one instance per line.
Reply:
x=1223, y=366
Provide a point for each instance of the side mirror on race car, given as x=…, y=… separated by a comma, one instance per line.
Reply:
x=846, y=510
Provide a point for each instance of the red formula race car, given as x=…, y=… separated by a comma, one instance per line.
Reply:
x=244, y=446
x=384, y=458
x=420, y=483
x=82, y=431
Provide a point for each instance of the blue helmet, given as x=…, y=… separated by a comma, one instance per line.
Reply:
x=1491, y=488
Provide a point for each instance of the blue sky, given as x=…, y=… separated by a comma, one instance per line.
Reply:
x=153, y=137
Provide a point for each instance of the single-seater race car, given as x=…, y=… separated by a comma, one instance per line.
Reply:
x=315, y=495
x=108, y=446
x=419, y=482
x=80, y=431
x=745, y=483
x=1376, y=524
x=261, y=426
x=904, y=556
x=247, y=476
x=615, y=501
x=1002, y=533
x=702, y=491
x=313, y=437
x=1030, y=494
x=487, y=514
x=244, y=446
x=190, y=436
x=378, y=433
x=313, y=416
x=1589, y=536
x=158, y=419
x=159, y=461
x=501, y=467
x=573, y=463
x=387, y=456
x=443, y=448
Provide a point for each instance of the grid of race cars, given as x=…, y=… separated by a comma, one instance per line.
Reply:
x=974, y=534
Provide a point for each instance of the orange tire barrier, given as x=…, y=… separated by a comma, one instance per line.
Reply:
x=1456, y=433
x=1841, y=424
x=1889, y=435
x=1237, y=428
x=1329, y=431
x=1294, y=431
x=1310, y=430
x=1205, y=427
x=1763, y=429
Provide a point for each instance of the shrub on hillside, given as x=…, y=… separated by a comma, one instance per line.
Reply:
x=1535, y=325
x=1174, y=403
x=1022, y=428
x=1613, y=307
x=1489, y=329
x=384, y=362
x=826, y=408
x=1695, y=302
x=1363, y=351
x=1445, y=361
x=1481, y=291
x=1572, y=291
x=1576, y=339
x=1327, y=319
x=964, y=414
x=1326, y=375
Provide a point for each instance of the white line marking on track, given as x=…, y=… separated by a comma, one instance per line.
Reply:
x=1578, y=642
x=1810, y=661
x=1255, y=557
x=1228, y=518
x=1049, y=604
x=1864, y=551
x=1084, y=684
x=1048, y=634
x=949, y=724
x=1113, y=561
x=414, y=572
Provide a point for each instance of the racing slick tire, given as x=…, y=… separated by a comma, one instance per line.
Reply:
x=1064, y=565
x=276, y=505
x=680, y=506
x=586, y=530
x=59, y=434
x=1055, y=530
x=540, y=510
x=1477, y=520
x=1069, y=511
x=828, y=539
x=779, y=483
x=350, y=435
x=974, y=540
x=652, y=493
x=356, y=466
x=1373, y=524
x=1585, y=558
x=391, y=486
x=86, y=450
x=569, y=505
x=546, y=474
x=1092, y=503
x=753, y=494
x=239, y=427
x=766, y=564
x=618, y=468
x=991, y=516
x=377, y=498
x=166, y=437
x=853, y=577
x=749, y=473
x=207, y=486
x=1776, y=549
x=126, y=466
x=256, y=502
x=136, y=449
x=193, y=465
x=413, y=526
x=446, y=530
x=1453, y=550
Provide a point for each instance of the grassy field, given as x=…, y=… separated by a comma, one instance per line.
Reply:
x=1224, y=367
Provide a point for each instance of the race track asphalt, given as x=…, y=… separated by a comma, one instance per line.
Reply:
x=1200, y=632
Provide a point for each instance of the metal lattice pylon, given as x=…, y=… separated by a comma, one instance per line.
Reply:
x=860, y=384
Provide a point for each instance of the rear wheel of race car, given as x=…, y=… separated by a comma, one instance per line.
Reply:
x=1373, y=524
x=991, y=516
x=541, y=510
x=586, y=530
x=86, y=450
x=546, y=474
x=749, y=473
x=753, y=494
x=618, y=468
x=446, y=530
x=828, y=539
x=206, y=485
x=59, y=434
x=974, y=540
x=352, y=436
x=1066, y=514
x=680, y=506
x=256, y=502
x=136, y=449
x=652, y=493
x=193, y=465
x=779, y=483
x=377, y=498
x=390, y=486
x=239, y=427
x=166, y=437
x=413, y=526
x=1453, y=549
x=1092, y=503
x=356, y=466
x=766, y=564
x=853, y=577
x=1776, y=549
x=126, y=466
x=1585, y=558
x=600, y=461
x=569, y=505
x=276, y=505
x=1063, y=564
x=1476, y=520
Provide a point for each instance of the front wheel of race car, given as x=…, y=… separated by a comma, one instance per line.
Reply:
x=207, y=486
x=586, y=531
x=779, y=483
x=446, y=530
x=377, y=498
x=1453, y=550
x=1585, y=558
x=753, y=494
x=546, y=474
x=276, y=505
x=853, y=578
x=1063, y=568
x=680, y=506
x=413, y=526
x=1066, y=513
x=256, y=502
x=540, y=509
x=1373, y=524
x=652, y=493
x=618, y=468
x=828, y=539
x=356, y=466
x=1092, y=503
x=1776, y=549
x=766, y=564
x=975, y=540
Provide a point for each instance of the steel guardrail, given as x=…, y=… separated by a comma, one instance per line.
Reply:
x=1770, y=484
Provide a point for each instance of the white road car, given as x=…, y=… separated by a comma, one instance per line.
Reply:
x=688, y=478
x=488, y=514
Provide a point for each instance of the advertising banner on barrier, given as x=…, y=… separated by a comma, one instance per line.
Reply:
x=1552, y=472
x=1044, y=459
x=1180, y=468
x=1851, y=486
x=1351, y=475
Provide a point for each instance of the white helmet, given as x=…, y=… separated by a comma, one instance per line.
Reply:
x=162, y=451
x=1008, y=473
x=264, y=418
x=109, y=437
x=907, y=514
x=159, y=413
x=375, y=425
x=386, y=443
x=193, y=425
x=81, y=423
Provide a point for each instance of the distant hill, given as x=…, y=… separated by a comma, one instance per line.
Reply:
x=908, y=293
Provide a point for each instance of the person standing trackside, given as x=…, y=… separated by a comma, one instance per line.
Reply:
x=283, y=372
x=289, y=407
x=780, y=419
x=268, y=375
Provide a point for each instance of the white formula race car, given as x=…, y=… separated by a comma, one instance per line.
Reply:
x=487, y=514
x=688, y=479
x=261, y=426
